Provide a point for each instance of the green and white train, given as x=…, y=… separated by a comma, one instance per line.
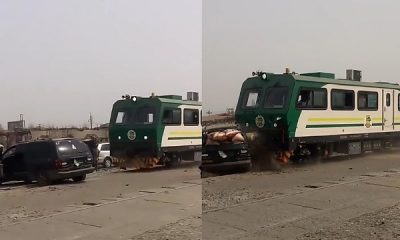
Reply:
x=163, y=127
x=303, y=115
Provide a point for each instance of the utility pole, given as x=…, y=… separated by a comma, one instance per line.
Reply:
x=91, y=121
x=21, y=118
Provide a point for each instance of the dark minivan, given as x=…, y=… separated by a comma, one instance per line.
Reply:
x=46, y=161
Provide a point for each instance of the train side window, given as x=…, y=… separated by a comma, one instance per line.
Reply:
x=251, y=98
x=342, y=99
x=367, y=100
x=398, y=101
x=387, y=99
x=191, y=117
x=312, y=99
x=172, y=116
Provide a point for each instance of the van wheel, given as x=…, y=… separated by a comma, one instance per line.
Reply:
x=42, y=179
x=79, y=178
x=173, y=161
x=107, y=163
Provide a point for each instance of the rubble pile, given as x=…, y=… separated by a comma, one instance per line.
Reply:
x=226, y=136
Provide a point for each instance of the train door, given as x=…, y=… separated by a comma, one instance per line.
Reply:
x=388, y=110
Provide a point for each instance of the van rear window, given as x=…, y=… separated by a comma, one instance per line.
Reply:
x=70, y=147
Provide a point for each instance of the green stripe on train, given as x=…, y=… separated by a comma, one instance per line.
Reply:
x=344, y=125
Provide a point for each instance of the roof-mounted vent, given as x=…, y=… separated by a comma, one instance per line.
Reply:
x=353, y=75
x=193, y=96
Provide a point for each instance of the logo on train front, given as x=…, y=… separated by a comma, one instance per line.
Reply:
x=131, y=135
x=260, y=122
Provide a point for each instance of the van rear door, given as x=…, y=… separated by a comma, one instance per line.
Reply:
x=73, y=154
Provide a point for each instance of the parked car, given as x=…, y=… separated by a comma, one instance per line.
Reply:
x=46, y=161
x=103, y=153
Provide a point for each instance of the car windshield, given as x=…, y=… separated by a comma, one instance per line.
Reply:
x=276, y=97
x=71, y=147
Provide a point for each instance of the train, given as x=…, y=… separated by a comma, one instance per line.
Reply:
x=295, y=117
x=156, y=130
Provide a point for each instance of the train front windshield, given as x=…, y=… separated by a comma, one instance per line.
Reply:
x=275, y=98
x=140, y=116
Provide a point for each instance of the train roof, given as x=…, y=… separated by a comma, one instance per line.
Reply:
x=328, y=78
x=178, y=101
x=169, y=99
x=299, y=77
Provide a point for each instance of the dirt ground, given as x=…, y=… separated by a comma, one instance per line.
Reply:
x=343, y=198
x=382, y=224
x=111, y=204
x=188, y=228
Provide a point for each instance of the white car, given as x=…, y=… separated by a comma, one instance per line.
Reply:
x=104, y=157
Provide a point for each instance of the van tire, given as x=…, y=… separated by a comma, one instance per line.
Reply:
x=79, y=178
x=173, y=161
x=42, y=179
x=29, y=178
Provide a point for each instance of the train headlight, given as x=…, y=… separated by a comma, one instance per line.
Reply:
x=264, y=76
x=145, y=137
x=119, y=137
x=134, y=99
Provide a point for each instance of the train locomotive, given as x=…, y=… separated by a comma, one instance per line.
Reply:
x=295, y=117
x=149, y=131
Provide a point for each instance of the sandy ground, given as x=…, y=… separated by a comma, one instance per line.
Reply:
x=330, y=200
x=189, y=228
x=108, y=205
x=382, y=224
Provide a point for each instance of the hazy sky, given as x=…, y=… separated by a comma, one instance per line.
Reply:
x=61, y=60
x=308, y=35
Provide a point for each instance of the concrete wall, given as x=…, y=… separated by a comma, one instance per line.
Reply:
x=101, y=134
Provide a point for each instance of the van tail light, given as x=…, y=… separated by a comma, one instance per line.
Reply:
x=58, y=163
